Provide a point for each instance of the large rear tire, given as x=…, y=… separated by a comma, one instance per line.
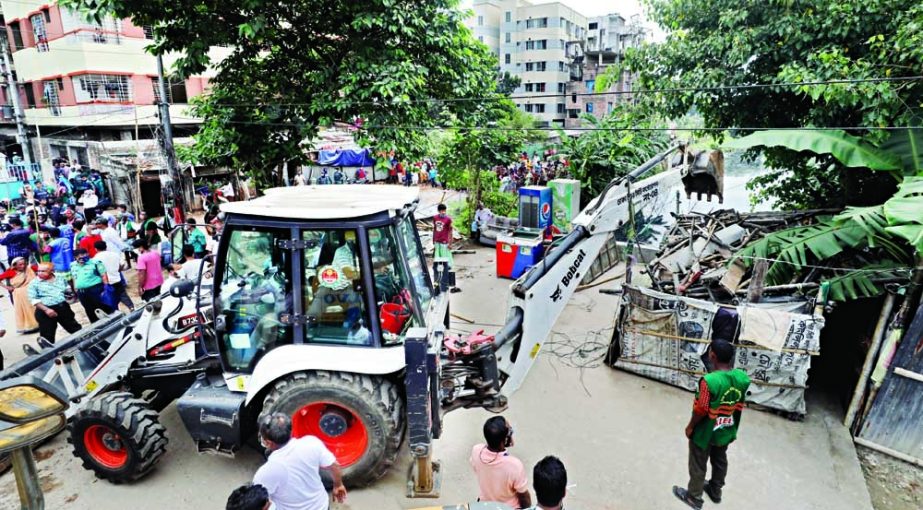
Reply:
x=118, y=437
x=359, y=418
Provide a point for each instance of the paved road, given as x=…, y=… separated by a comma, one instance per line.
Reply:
x=620, y=436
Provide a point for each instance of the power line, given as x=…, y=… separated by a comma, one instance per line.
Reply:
x=593, y=94
x=617, y=92
x=581, y=129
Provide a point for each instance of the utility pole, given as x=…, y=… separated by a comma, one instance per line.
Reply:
x=173, y=185
x=22, y=135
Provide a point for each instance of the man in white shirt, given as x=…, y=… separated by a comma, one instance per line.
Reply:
x=291, y=475
x=190, y=269
x=112, y=262
x=111, y=236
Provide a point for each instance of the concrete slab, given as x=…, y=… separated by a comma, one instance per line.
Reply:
x=620, y=436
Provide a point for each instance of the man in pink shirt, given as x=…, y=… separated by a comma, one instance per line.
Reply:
x=501, y=477
x=150, y=274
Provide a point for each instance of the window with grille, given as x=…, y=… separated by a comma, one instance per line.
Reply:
x=508, y=16
x=148, y=31
x=38, y=30
x=540, y=66
x=107, y=31
x=529, y=108
x=540, y=108
x=539, y=87
x=105, y=88
x=530, y=66
x=560, y=107
x=30, y=94
x=530, y=45
x=50, y=96
x=506, y=58
x=176, y=91
x=529, y=87
x=16, y=29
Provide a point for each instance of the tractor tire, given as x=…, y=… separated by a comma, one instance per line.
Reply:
x=118, y=437
x=359, y=418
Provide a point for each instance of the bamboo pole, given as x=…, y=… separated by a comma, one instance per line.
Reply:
x=870, y=357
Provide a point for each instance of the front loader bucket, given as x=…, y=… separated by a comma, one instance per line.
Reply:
x=704, y=174
x=83, y=349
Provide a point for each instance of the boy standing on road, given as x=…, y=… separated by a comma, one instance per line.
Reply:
x=716, y=415
x=442, y=255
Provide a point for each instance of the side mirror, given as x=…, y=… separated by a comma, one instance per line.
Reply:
x=182, y=288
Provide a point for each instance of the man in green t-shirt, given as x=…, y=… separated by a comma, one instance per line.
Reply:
x=719, y=402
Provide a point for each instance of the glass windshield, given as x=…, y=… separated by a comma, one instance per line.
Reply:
x=334, y=294
x=416, y=262
x=392, y=285
x=255, y=292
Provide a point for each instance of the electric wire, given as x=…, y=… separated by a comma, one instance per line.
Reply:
x=579, y=129
x=668, y=90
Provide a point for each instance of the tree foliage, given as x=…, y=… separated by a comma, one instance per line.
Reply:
x=890, y=234
x=610, y=150
x=468, y=156
x=297, y=65
x=714, y=45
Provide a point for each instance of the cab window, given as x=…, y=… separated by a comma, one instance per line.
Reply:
x=392, y=285
x=255, y=294
x=415, y=262
x=334, y=292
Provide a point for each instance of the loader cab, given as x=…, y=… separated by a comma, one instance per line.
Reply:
x=336, y=266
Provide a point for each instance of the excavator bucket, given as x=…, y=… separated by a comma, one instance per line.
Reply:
x=704, y=174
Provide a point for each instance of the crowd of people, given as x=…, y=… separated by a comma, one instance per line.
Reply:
x=534, y=171
x=291, y=477
x=54, y=254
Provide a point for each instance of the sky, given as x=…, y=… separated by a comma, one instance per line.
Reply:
x=626, y=8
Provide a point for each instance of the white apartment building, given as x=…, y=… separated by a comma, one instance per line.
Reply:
x=531, y=41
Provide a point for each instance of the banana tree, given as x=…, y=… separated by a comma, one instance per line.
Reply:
x=891, y=232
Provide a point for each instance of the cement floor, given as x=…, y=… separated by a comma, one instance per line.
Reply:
x=620, y=436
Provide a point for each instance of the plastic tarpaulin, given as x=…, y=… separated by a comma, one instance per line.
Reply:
x=663, y=336
x=345, y=158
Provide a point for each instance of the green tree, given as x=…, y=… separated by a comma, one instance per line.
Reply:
x=297, y=65
x=468, y=156
x=716, y=44
x=611, y=148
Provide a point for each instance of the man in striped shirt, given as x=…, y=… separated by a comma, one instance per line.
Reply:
x=46, y=293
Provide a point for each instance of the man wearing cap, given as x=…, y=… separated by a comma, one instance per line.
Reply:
x=88, y=277
x=46, y=293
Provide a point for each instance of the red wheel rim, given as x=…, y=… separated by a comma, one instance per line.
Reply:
x=105, y=446
x=349, y=446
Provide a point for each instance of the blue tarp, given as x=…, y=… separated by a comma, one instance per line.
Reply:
x=345, y=158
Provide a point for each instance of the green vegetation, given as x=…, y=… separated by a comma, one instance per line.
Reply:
x=716, y=49
x=297, y=65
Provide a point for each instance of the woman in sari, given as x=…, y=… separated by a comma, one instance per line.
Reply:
x=18, y=285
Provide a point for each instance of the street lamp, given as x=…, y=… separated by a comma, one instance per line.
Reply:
x=31, y=411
